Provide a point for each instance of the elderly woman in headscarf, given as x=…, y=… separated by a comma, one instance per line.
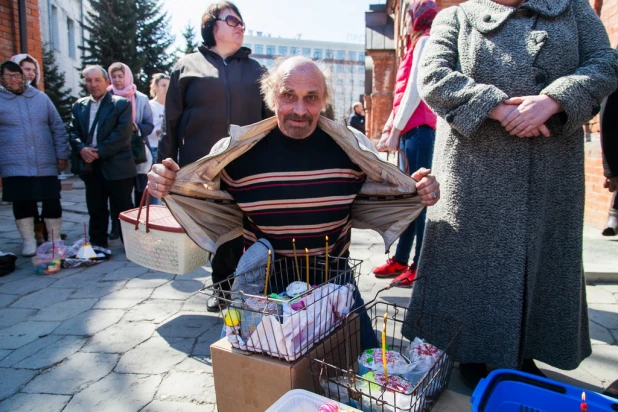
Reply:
x=411, y=129
x=122, y=85
x=35, y=149
x=512, y=82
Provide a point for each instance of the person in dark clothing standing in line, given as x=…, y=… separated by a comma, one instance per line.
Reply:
x=210, y=90
x=357, y=118
x=609, y=141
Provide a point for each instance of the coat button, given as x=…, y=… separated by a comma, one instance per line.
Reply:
x=487, y=18
x=449, y=118
x=540, y=38
x=541, y=78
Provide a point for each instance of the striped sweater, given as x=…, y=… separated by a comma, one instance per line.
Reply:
x=298, y=189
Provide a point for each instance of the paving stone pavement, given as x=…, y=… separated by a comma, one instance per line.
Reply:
x=120, y=337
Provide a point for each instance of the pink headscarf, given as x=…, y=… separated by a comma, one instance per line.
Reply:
x=129, y=87
x=422, y=13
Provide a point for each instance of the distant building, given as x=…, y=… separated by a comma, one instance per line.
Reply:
x=345, y=60
x=62, y=30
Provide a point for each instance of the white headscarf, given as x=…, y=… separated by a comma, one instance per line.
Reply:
x=19, y=57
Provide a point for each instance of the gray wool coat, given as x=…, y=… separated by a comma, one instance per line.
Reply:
x=32, y=135
x=503, y=247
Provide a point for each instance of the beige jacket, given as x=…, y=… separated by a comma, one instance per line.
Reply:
x=387, y=202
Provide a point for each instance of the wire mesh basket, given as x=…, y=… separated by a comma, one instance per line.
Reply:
x=284, y=314
x=419, y=370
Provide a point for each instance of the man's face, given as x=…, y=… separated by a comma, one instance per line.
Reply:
x=13, y=80
x=95, y=83
x=299, y=101
x=29, y=70
x=360, y=110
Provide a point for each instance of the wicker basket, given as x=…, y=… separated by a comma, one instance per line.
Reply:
x=159, y=242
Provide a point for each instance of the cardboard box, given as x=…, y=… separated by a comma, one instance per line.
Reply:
x=252, y=383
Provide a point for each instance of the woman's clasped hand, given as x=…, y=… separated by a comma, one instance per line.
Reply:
x=526, y=116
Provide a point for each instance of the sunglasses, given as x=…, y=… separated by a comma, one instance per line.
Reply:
x=233, y=21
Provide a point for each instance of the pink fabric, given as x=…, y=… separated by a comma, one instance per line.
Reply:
x=129, y=87
x=423, y=114
x=422, y=13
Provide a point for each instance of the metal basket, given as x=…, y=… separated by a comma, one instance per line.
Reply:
x=264, y=322
x=349, y=387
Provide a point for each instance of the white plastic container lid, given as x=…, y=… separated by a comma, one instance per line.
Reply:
x=300, y=400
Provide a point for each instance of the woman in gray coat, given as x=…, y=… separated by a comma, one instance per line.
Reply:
x=34, y=148
x=512, y=83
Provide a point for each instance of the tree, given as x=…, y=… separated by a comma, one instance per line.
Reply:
x=189, y=35
x=55, y=85
x=134, y=32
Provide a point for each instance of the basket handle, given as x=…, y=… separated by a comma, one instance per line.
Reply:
x=145, y=200
x=404, y=159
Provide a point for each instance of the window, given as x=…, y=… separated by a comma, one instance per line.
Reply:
x=340, y=55
x=247, y=45
x=349, y=68
x=360, y=69
x=339, y=82
x=340, y=68
x=317, y=53
x=361, y=57
x=330, y=54
x=71, y=33
x=352, y=55
x=283, y=50
x=361, y=83
x=294, y=50
x=270, y=50
x=307, y=51
x=259, y=49
x=269, y=63
x=55, y=39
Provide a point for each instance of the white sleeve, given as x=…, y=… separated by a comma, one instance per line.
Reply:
x=411, y=97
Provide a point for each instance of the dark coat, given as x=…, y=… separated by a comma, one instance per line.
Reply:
x=609, y=135
x=205, y=96
x=503, y=247
x=113, y=134
x=357, y=121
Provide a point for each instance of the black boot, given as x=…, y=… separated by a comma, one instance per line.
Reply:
x=115, y=233
x=472, y=373
x=530, y=367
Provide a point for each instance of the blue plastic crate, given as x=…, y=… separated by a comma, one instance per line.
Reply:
x=507, y=390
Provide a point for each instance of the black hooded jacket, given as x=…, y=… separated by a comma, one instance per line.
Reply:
x=205, y=96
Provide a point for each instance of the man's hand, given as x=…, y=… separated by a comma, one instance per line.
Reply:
x=62, y=164
x=530, y=114
x=611, y=183
x=427, y=187
x=161, y=178
x=89, y=154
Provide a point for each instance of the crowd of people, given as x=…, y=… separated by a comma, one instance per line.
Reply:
x=489, y=103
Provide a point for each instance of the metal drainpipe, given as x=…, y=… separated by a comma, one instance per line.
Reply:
x=23, y=33
x=81, y=18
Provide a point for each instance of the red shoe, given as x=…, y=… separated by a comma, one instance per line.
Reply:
x=390, y=269
x=406, y=279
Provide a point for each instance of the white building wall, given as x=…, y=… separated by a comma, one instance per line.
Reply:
x=345, y=60
x=56, y=18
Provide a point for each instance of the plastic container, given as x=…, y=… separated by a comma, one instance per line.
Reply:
x=507, y=390
x=300, y=400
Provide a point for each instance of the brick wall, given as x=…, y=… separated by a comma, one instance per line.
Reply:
x=9, y=29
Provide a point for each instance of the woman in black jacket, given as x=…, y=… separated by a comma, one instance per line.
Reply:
x=210, y=90
x=609, y=141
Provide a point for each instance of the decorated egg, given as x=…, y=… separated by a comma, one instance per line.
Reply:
x=232, y=318
x=329, y=407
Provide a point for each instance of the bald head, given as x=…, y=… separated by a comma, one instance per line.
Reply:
x=296, y=89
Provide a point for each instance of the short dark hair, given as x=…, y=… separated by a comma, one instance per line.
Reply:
x=209, y=19
x=11, y=67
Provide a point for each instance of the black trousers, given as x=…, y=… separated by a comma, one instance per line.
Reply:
x=98, y=191
x=139, y=184
x=226, y=259
x=28, y=208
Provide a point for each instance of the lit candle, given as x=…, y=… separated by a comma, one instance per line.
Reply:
x=307, y=255
x=326, y=258
x=583, y=406
x=267, y=274
x=384, y=349
x=296, y=260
